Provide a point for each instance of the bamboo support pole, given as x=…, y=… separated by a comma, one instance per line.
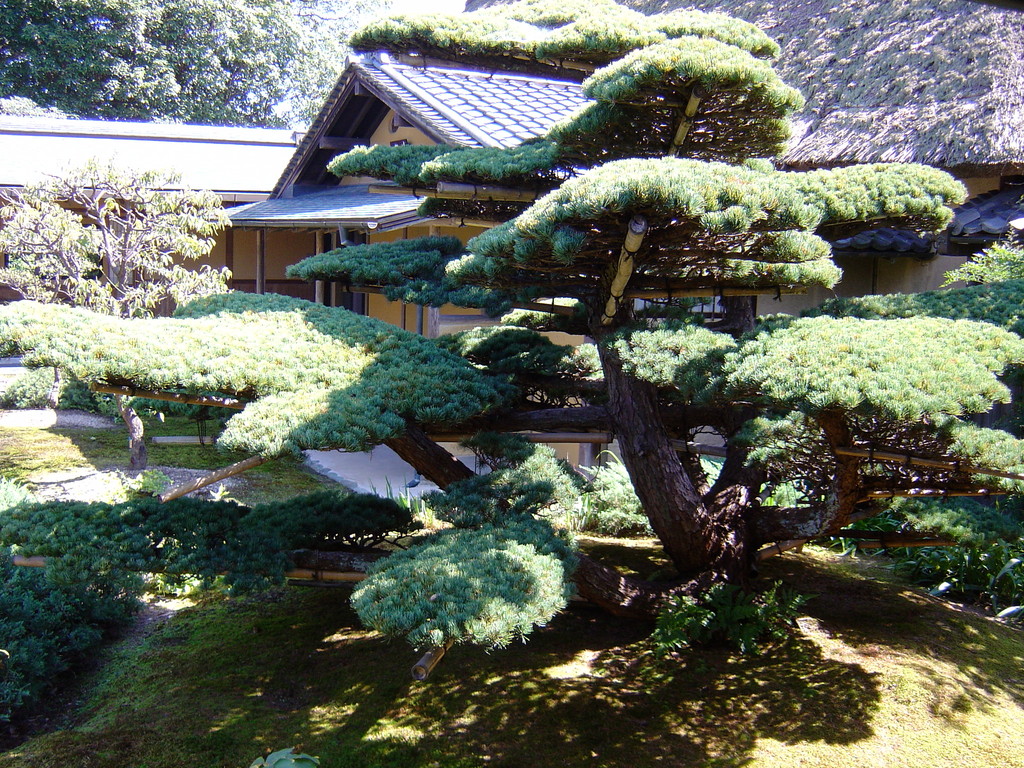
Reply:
x=540, y=306
x=778, y=548
x=220, y=474
x=421, y=669
x=296, y=574
x=696, y=293
x=686, y=123
x=886, y=539
x=623, y=270
x=930, y=493
x=919, y=461
x=462, y=221
x=393, y=189
x=173, y=397
x=450, y=190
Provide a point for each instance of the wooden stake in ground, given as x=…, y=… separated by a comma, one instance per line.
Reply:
x=213, y=477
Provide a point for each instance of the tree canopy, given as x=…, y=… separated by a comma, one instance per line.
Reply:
x=659, y=191
x=240, y=62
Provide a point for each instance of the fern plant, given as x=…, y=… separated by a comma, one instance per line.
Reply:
x=726, y=614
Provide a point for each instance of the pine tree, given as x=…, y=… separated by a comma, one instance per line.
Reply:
x=657, y=192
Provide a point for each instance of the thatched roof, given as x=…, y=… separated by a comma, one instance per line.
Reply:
x=930, y=81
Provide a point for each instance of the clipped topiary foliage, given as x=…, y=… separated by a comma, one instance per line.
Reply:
x=658, y=192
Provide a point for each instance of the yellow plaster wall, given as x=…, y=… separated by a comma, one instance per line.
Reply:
x=384, y=134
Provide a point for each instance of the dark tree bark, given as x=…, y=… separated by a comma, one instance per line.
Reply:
x=427, y=457
x=137, y=452
x=669, y=497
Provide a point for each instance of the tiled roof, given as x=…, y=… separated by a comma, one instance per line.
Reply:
x=887, y=241
x=474, y=108
x=239, y=160
x=989, y=215
x=349, y=206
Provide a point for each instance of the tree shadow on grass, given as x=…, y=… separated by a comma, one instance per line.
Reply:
x=883, y=616
x=588, y=691
x=298, y=667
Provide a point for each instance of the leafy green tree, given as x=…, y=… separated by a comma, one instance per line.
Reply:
x=1000, y=261
x=654, y=193
x=201, y=61
x=112, y=240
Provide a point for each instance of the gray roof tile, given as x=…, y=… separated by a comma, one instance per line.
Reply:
x=988, y=215
x=887, y=241
x=476, y=108
x=341, y=206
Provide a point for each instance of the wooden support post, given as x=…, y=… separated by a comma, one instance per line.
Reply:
x=213, y=477
x=422, y=669
x=261, y=261
x=318, y=285
x=619, y=275
x=173, y=397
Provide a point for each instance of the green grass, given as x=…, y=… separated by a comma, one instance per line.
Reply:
x=878, y=675
x=25, y=454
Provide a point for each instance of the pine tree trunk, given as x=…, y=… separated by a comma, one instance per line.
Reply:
x=669, y=498
x=53, y=396
x=137, y=452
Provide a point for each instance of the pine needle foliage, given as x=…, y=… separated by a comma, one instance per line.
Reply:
x=488, y=586
x=524, y=35
x=413, y=271
x=660, y=190
x=318, y=377
x=245, y=546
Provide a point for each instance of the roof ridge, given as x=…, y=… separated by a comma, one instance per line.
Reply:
x=442, y=66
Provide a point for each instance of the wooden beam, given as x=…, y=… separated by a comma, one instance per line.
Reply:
x=920, y=461
x=208, y=479
x=261, y=261
x=339, y=142
x=173, y=397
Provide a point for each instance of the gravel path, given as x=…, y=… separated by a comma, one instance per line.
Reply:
x=44, y=418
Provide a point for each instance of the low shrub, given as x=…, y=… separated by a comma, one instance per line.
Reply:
x=990, y=575
x=611, y=505
x=31, y=389
x=286, y=758
x=45, y=626
x=726, y=614
x=46, y=623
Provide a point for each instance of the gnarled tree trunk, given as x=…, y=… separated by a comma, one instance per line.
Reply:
x=138, y=455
